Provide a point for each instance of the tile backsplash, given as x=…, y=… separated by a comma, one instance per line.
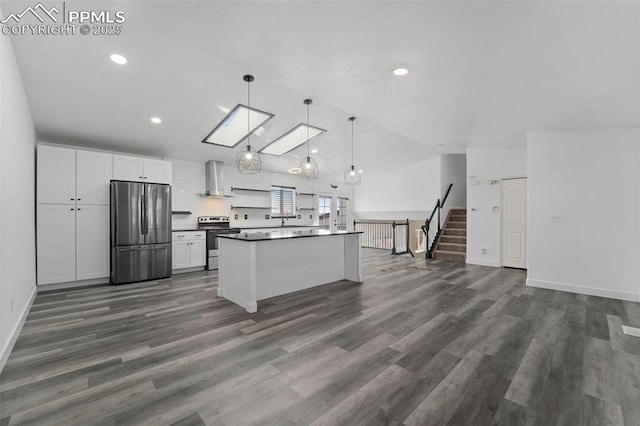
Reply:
x=188, y=181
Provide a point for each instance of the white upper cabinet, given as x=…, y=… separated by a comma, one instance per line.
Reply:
x=140, y=169
x=157, y=171
x=128, y=168
x=56, y=175
x=94, y=171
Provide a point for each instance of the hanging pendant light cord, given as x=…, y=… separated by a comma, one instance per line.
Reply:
x=308, y=143
x=249, y=114
x=352, y=143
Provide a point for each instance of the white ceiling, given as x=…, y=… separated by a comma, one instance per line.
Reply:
x=482, y=74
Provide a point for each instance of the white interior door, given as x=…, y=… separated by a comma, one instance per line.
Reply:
x=514, y=223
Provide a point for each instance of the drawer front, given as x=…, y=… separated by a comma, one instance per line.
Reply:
x=189, y=235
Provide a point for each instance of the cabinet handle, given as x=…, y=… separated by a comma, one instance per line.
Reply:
x=79, y=199
x=71, y=209
x=72, y=199
x=140, y=177
x=78, y=209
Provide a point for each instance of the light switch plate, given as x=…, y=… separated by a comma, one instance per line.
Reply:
x=558, y=218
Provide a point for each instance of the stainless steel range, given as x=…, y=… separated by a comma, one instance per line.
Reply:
x=214, y=225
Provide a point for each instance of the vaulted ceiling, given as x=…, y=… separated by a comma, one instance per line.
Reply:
x=481, y=74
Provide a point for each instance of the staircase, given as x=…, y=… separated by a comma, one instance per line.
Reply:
x=452, y=244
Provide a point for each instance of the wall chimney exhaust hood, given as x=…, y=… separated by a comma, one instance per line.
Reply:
x=214, y=179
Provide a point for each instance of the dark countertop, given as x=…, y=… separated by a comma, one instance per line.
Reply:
x=277, y=226
x=252, y=227
x=280, y=235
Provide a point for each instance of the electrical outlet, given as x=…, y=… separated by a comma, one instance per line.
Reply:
x=310, y=216
x=483, y=250
x=235, y=216
x=246, y=216
x=299, y=216
x=266, y=216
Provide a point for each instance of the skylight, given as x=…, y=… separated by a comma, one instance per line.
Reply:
x=233, y=129
x=291, y=140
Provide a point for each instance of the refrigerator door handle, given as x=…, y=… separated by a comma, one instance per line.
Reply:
x=142, y=213
x=145, y=197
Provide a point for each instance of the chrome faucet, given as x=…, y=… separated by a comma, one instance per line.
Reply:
x=284, y=218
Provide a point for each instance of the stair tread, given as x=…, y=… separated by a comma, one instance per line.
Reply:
x=456, y=253
x=452, y=244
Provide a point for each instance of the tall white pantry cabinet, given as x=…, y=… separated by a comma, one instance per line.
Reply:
x=73, y=235
x=72, y=214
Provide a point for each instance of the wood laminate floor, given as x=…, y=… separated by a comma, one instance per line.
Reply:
x=419, y=343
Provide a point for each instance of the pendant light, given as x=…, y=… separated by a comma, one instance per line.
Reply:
x=351, y=175
x=308, y=166
x=248, y=160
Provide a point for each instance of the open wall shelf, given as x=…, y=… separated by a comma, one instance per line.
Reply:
x=233, y=189
x=250, y=207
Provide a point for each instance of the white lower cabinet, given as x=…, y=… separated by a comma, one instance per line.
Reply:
x=56, y=243
x=92, y=242
x=189, y=249
x=198, y=253
x=73, y=243
x=180, y=254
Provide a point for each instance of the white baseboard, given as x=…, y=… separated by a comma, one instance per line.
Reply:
x=185, y=270
x=484, y=262
x=591, y=291
x=73, y=284
x=6, y=351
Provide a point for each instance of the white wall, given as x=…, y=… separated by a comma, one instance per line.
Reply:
x=189, y=181
x=454, y=171
x=483, y=224
x=410, y=192
x=592, y=178
x=17, y=201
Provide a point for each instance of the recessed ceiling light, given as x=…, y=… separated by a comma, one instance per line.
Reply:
x=400, y=71
x=118, y=59
x=295, y=170
x=314, y=151
x=156, y=120
x=360, y=171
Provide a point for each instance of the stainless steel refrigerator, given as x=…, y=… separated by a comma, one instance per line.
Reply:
x=140, y=231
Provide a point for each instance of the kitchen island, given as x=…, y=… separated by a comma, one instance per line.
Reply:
x=259, y=265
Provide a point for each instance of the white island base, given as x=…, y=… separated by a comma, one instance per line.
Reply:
x=258, y=266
